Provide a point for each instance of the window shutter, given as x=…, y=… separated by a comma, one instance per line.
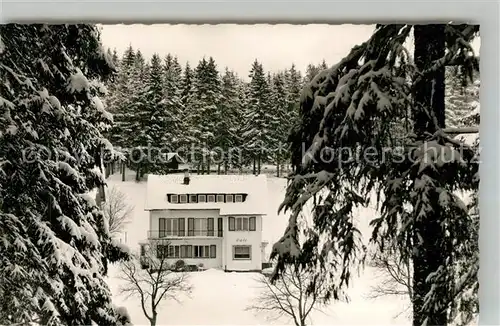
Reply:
x=190, y=226
x=213, y=248
x=210, y=227
x=231, y=223
x=161, y=227
x=182, y=227
x=189, y=251
x=183, y=251
x=219, y=227
x=253, y=221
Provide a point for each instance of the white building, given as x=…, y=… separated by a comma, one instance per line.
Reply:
x=213, y=220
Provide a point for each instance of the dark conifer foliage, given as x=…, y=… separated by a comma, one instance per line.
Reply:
x=355, y=105
x=54, y=242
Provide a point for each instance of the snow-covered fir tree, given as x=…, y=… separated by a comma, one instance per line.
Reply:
x=312, y=70
x=187, y=85
x=54, y=241
x=176, y=127
x=204, y=112
x=277, y=124
x=227, y=127
x=462, y=101
x=188, y=98
x=137, y=115
x=351, y=106
x=155, y=127
x=118, y=99
x=257, y=134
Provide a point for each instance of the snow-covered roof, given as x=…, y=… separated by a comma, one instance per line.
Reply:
x=171, y=156
x=255, y=187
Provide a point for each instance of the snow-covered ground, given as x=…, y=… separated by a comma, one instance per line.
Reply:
x=220, y=298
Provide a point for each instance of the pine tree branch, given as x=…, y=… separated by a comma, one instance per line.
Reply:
x=465, y=130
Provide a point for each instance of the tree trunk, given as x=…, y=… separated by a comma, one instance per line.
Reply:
x=113, y=167
x=226, y=164
x=258, y=162
x=254, y=165
x=429, y=254
x=152, y=320
x=138, y=173
x=123, y=168
x=277, y=165
x=219, y=168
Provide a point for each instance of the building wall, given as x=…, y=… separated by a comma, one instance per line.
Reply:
x=251, y=238
x=225, y=245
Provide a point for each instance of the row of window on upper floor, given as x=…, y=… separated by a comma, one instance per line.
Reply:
x=206, y=198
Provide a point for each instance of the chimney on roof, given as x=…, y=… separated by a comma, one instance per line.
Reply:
x=186, y=177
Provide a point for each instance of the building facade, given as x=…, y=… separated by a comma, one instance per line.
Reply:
x=209, y=220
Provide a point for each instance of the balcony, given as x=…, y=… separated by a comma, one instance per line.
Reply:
x=160, y=234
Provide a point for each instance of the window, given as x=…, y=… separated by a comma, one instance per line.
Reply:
x=210, y=226
x=238, y=198
x=143, y=250
x=190, y=227
x=213, y=249
x=186, y=251
x=181, y=227
x=205, y=251
x=173, y=199
x=183, y=199
x=174, y=251
x=242, y=252
x=219, y=227
x=162, y=229
x=202, y=198
x=201, y=251
x=252, y=223
x=193, y=198
x=211, y=198
x=171, y=227
x=201, y=227
x=229, y=198
x=240, y=226
x=220, y=198
x=242, y=223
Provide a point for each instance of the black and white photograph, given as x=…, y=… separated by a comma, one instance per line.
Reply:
x=239, y=174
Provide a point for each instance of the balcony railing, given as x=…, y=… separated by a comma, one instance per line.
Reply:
x=158, y=234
